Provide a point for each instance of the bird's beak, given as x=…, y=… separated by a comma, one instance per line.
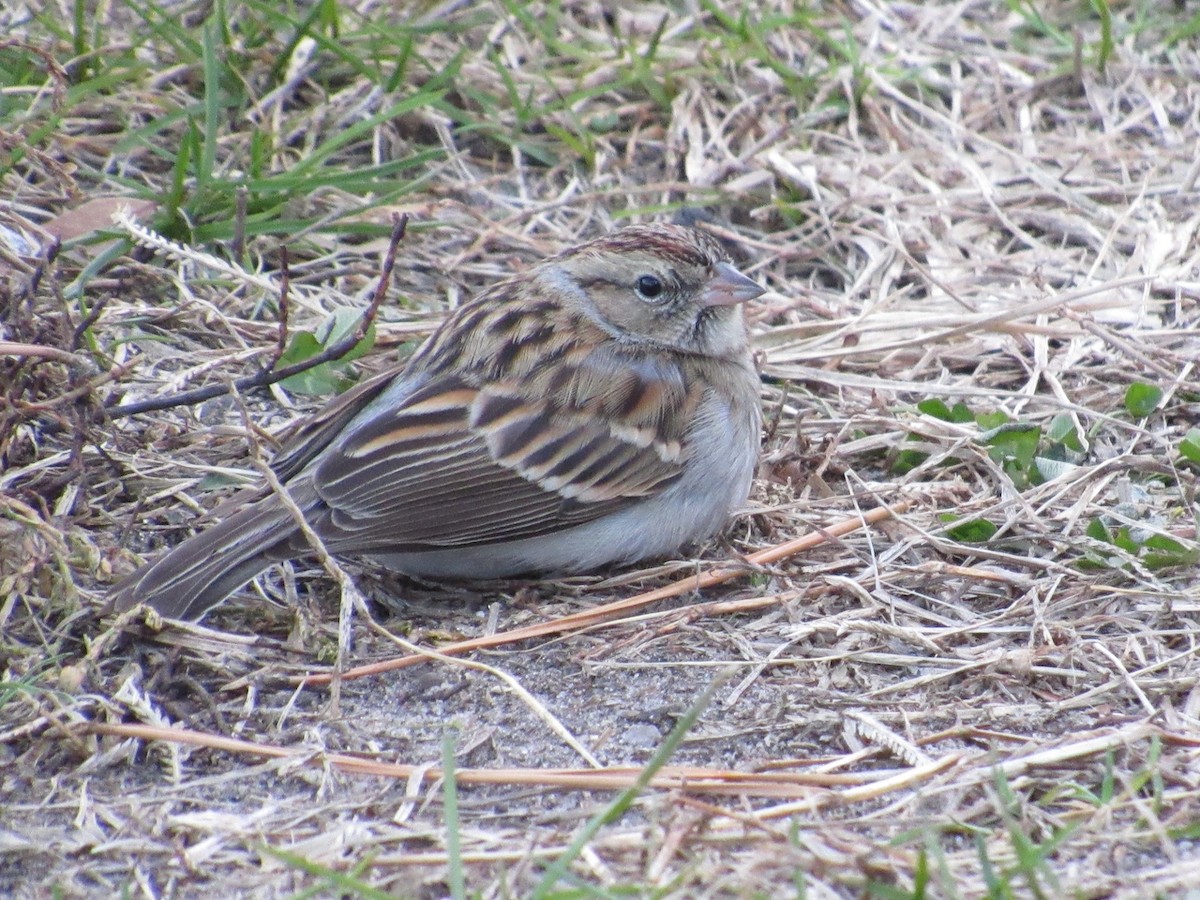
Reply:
x=728, y=286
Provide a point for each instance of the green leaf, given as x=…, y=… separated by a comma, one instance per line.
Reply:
x=304, y=345
x=1163, y=551
x=1099, y=559
x=992, y=420
x=1050, y=468
x=1123, y=539
x=1106, y=33
x=907, y=460
x=1141, y=399
x=1189, y=832
x=1168, y=544
x=961, y=413
x=1189, y=447
x=329, y=377
x=1062, y=431
x=970, y=531
x=315, y=381
x=1014, y=443
x=932, y=406
x=341, y=324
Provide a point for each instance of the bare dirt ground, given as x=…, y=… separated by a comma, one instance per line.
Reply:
x=977, y=222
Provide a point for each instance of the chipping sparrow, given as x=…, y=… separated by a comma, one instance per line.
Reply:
x=601, y=407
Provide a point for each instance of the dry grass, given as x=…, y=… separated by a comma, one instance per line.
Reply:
x=960, y=210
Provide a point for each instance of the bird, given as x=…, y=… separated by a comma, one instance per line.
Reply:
x=599, y=408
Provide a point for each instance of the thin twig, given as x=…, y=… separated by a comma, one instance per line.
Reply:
x=285, y=282
x=692, y=779
x=39, y=351
x=267, y=377
x=89, y=320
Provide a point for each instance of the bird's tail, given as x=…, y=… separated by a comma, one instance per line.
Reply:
x=192, y=578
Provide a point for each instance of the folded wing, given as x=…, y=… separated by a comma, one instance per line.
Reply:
x=456, y=465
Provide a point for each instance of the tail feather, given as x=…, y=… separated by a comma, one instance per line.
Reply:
x=192, y=578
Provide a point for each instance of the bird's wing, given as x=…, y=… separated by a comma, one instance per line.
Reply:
x=454, y=465
x=314, y=434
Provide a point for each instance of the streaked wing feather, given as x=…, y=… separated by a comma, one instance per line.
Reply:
x=317, y=432
x=453, y=466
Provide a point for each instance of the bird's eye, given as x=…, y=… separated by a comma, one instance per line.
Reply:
x=649, y=286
